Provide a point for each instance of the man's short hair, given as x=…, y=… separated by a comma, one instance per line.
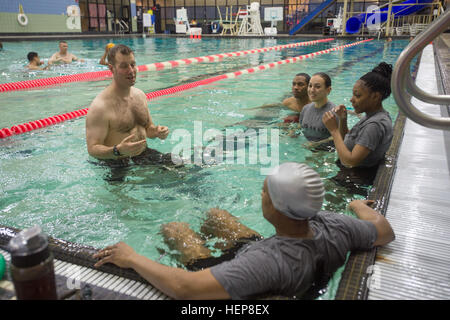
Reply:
x=123, y=49
x=31, y=55
x=304, y=75
x=62, y=41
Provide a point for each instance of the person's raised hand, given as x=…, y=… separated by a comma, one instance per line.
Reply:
x=329, y=120
x=341, y=111
x=162, y=132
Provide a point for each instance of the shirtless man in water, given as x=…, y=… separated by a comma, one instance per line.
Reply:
x=295, y=103
x=300, y=96
x=35, y=62
x=298, y=100
x=118, y=121
x=63, y=56
x=300, y=93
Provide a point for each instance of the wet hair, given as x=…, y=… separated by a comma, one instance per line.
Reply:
x=325, y=78
x=304, y=75
x=123, y=49
x=31, y=55
x=379, y=79
x=62, y=41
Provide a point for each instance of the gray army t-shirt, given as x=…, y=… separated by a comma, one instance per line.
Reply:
x=287, y=266
x=311, y=121
x=374, y=131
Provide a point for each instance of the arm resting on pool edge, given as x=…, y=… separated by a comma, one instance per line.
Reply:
x=175, y=282
x=362, y=209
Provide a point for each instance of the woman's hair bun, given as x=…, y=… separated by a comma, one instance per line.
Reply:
x=379, y=79
x=384, y=69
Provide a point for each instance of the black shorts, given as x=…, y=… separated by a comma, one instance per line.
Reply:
x=148, y=157
x=355, y=179
x=119, y=167
x=227, y=255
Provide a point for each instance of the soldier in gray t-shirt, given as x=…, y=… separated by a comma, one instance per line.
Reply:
x=311, y=121
x=365, y=145
x=308, y=244
x=289, y=266
x=374, y=131
x=310, y=118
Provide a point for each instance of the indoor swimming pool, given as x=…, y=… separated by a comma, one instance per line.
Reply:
x=48, y=178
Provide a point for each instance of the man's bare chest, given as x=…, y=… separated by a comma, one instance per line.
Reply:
x=128, y=115
x=66, y=58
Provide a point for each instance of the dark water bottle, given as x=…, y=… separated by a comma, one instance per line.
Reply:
x=32, y=268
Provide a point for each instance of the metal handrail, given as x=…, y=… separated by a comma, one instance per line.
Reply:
x=401, y=78
x=123, y=26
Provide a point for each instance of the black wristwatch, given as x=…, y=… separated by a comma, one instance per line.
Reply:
x=116, y=151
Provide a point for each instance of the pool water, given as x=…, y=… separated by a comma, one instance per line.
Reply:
x=48, y=178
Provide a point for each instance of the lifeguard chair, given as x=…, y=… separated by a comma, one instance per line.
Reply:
x=251, y=21
x=228, y=24
x=182, y=23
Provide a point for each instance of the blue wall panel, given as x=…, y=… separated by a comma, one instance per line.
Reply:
x=37, y=6
x=133, y=9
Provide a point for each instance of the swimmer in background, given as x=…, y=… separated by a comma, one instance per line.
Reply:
x=103, y=58
x=118, y=121
x=295, y=103
x=299, y=97
x=63, y=56
x=35, y=62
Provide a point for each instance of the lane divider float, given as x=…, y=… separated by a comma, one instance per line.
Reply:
x=37, y=124
x=157, y=66
x=33, y=125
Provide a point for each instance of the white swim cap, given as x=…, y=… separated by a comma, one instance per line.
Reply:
x=296, y=190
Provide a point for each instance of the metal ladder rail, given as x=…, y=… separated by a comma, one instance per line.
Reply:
x=123, y=26
x=401, y=78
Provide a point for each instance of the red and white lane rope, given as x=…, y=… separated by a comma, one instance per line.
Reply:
x=22, y=128
x=35, y=83
x=232, y=75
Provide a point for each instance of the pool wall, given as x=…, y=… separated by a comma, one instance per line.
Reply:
x=43, y=16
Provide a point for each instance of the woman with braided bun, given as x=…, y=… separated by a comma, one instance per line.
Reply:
x=364, y=146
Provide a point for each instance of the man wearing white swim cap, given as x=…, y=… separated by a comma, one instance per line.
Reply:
x=296, y=190
x=309, y=245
